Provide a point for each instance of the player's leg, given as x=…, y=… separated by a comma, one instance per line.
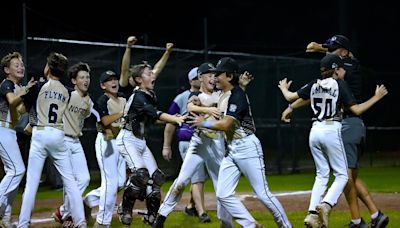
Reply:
x=107, y=159
x=79, y=169
x=195, y=196
x=228, y=178
x=62, y=161
x=13, y=166
x=189, y=166
x=253, y=168
x=213, y=156
x=37, y=157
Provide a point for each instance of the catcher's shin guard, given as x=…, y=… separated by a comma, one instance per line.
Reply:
x=153, y=200
x=135, y=189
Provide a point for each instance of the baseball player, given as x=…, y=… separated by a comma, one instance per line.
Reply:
x=48, y=140
x=184, y=133
x=353, y=134
x=244, y=153
x=206, y=146
x=146, y=179
x=110, y=106
x=78, y=109
x=12, y=94
x=328, y=96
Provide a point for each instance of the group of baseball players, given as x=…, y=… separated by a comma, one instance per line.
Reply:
x=215, y=129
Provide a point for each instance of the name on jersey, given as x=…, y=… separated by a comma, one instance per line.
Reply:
x=76, y=109
x=330, y=91
x=54, y=95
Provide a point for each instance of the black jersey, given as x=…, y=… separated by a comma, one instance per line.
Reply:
x=140, y=112
x=239, y=108
x=328, y=97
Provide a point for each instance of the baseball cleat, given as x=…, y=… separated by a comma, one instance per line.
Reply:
x=380, y=222
x=312, y=221
x=323, y=210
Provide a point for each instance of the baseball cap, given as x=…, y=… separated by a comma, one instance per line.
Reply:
x=228, y=65
x=337, y=41
x=331, y=61
x=206, y=68
x=107, y=75
x=192, y=73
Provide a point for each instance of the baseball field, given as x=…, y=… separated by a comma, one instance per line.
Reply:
x=293, y=190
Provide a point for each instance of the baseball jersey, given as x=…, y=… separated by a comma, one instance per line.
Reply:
x=328, y=97
x=239, y=108
x=78, y=109
x=140, y=112
x=179, y=106
x=48, y=100
x=108, y=106
x=7, y=86
x=209, y=100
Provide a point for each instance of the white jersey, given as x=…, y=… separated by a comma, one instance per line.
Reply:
x=78, y=109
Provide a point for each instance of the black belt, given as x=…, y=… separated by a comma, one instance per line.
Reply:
x=71, y=136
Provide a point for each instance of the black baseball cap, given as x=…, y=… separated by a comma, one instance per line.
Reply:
x=228, y=65
x=337, y=41
x=107, y=75
x=331, y=61
x=205, y=68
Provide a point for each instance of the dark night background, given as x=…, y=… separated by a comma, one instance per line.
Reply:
x=273, y=28
x=281, y=28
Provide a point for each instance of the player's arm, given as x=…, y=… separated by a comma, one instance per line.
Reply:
x=223, y=124
x=16, y=99
x=380, y=92
x=108, y=119
x=126, y=61
x=316, y=47
x=163, y=61
x=287, y=113
x=168, y=136
x=214, y=111
x=284, y=85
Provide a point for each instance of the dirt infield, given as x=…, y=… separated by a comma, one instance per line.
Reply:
x=293, y=202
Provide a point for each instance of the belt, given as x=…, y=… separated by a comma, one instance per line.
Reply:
x=42, y=127
x=72, y=136
x=6, y=124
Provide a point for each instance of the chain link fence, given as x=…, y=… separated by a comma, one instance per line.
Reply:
x=285, y=145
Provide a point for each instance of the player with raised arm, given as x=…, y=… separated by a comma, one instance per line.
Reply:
x=140, y=112
x=328, y=97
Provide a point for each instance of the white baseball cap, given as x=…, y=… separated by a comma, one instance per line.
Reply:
x=192, y=73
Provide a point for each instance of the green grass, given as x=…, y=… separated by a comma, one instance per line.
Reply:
x=379, y=179
x=336, y=219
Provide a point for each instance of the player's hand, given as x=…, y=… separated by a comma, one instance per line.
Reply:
x=131, y=41
x=169, y=46
x=195, y=100
x=180, y=119
x=380, y=91
x=167, y=153
x=245, y=78
x=284, y=84
x=287, y=114
x=31, y=83
x=195, y=120
x=214, y=111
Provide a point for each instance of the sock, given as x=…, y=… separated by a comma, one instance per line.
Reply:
x=356, y=221
x=375, y=215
